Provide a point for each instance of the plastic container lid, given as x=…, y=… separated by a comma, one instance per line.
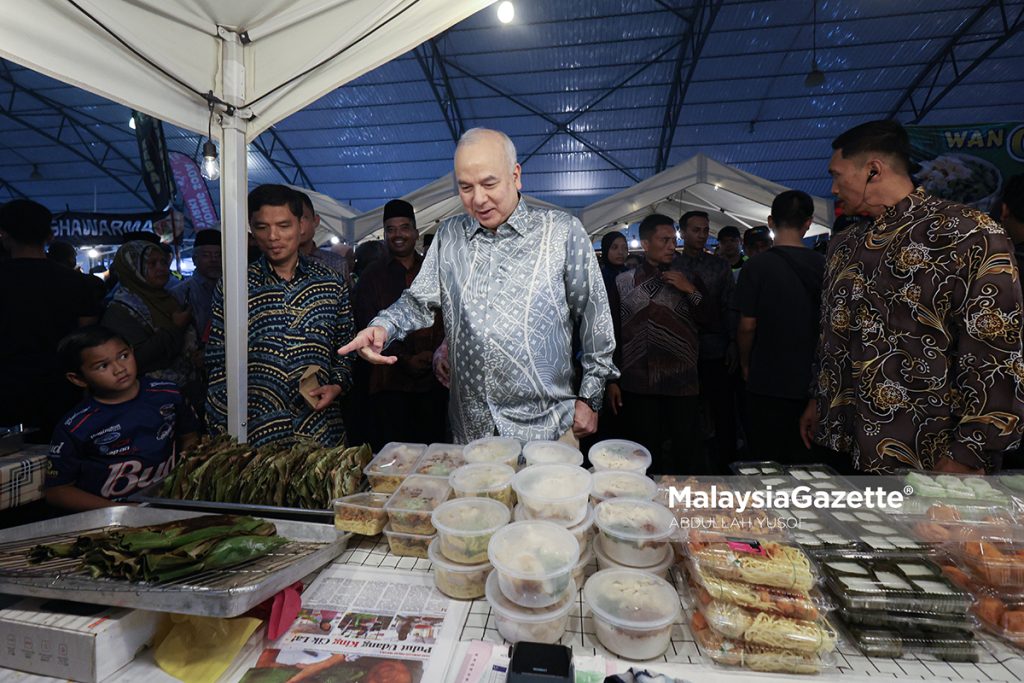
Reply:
x=747, y=467
x=619, y=484
x=619, y=454
x=530, y=615
x=914, y=585
x=551, y=453
x=534, y=550
x=661, y=566
x=470, y=516
x=553, y=483
x=417, y=497
x=878, y=642
x=493, y=449
x=440, y=460
x=961, y=487
x=482, y=477
x=395, y=459
x=367, y=500
x=435, y=556
x=632, y=599
x=634, y=520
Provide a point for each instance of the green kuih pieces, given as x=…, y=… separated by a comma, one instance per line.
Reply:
x=302, y=474
x=164, y=552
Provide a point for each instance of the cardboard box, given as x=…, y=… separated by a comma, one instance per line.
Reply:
x=22, y=475
x=71, y=640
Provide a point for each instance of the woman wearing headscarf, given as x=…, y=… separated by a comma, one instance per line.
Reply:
x=614, y=251
x=150, y=318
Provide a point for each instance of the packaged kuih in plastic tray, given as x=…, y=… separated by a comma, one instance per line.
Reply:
x=440, y=460
x=793, y=604
x=766, y=629
x=907, y=585
x=1012, y=480
x=942, y=523
x=870, y=618
x=808, y=472
x=762, y=467
x=881, y=642
x=394, y=462
x=734, y=653
x=994, y=561
x=889, y=538
x=818, y=536
x=751, y=560
x=1002, y=615
x=972, y=495
x=410, y=507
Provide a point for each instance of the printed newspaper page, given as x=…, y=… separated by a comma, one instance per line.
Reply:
x=356, y=622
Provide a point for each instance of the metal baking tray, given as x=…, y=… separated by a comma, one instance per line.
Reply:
x=151, y=496
x=216, y=593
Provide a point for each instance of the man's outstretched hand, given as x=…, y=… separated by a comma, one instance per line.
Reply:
x=369, y=343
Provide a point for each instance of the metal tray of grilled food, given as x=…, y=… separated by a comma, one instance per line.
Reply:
x=214, y=593
x=151, y=496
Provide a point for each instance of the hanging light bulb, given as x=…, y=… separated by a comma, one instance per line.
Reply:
x=634, y=243
x=210, y=166
x=815, y=76
x=506, y=12
x=335, y=239
x=93, y=253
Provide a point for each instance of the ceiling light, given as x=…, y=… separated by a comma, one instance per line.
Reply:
x=634, y=243
x=815, y=77
x=335, y=239
x=506, y=12
x=131, y=121
x=678, y=236
x=211, y=166
x=93, y=253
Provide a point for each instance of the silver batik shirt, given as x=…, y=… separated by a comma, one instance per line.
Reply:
x=510, y=301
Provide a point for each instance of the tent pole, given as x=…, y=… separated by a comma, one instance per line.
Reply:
x=233, y=194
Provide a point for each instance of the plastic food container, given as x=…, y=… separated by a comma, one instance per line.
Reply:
x=1001, y=614
x=633, y=611
x=740, y=623
x=879, y=642
x=758, y=467
x=793, y=604
x=619, y=454
x=752, y=560
x=551, y=453
x=408, y=545
x=410, y=507
x=905, y=621
x=615, y=484
x=634, y=532
x=554, y=492
x=361, y=513
x=484, y=480
x=660, y=568
x=947, y=524
x=733, y=653
x=459, y=581
x=394, y=462
x=516, y=623
x=911, y=585
x=695, y=485
x=995, y=562
x=440, y=460
x=534, y=562
x=498, y=449
x=465, y=525
x=584, y=531
x=580, y=570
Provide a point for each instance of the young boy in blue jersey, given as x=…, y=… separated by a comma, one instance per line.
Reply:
x=126, y=433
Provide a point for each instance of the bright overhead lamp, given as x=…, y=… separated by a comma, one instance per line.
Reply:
x=506, y=12
x=335, y=239
x=210, y=168
x=634, y=243
x=93, y=253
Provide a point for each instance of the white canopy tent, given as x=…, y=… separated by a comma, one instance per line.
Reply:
x=729, y=195
x=433, y=203
x=259, y=62
x=335, y=217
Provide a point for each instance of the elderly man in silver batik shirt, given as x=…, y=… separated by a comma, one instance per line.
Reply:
x=512, y=283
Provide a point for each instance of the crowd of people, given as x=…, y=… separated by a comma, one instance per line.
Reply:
x=901, y=347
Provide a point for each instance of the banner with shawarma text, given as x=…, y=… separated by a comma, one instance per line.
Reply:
x=91, y=229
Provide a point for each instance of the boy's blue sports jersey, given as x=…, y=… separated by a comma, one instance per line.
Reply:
x=115, y=450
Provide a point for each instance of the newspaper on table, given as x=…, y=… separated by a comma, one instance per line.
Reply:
x=356, y=622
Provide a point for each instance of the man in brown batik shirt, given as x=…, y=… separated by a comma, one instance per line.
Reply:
x=919, y=360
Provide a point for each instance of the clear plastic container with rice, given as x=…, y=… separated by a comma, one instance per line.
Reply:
x=534, y=562
x=484, y=480
x=619, y=454
x=408, y=545
x=459, y=581
x=465, y=526
x=619, y=484
x=554, y=492
x=633, y=611
x=392, y=465
x=583, y=531
x=498, y=449
x=411, y=506
x=361, y=513
x=535, y=625
x=634, y=532
x=551, y=453
x=659, y=568
x=440, y=460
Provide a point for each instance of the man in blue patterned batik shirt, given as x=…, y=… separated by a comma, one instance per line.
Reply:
x=512, y=282
x=298, y=314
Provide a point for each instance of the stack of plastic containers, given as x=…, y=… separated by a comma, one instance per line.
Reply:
x=531, y=590
x=392, y=465
x=410, y=529
x=755, y=605
x=459, y=553
x=440, y=460
x=624, y=484
x=484, y=480
x=493, y=449
x=633, y=611
x=634, y=534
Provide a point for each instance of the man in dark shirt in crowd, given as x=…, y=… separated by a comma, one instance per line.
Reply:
x=779, y=294
x=406, y=401
x=729, y=248
x=654, y=311
x=919, y=360
x=41, y=301
x=307, y=246
x=756, y=240
x=197, y=291
x=717, y=364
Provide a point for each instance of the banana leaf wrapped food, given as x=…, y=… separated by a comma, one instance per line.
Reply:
x=301, y=474
x=164, y=552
